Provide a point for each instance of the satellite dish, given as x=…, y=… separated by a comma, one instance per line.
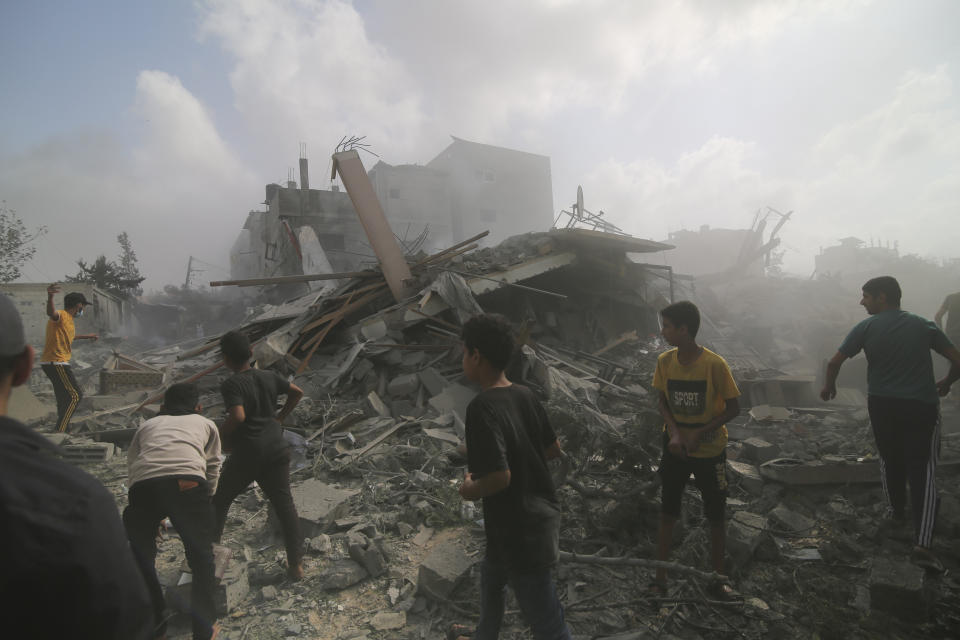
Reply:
x=579, y=201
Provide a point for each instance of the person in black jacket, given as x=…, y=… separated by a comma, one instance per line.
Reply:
x=253, y=435
x=66, y=570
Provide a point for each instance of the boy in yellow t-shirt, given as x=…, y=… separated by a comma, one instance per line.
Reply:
x=698, y=396
x=57, y=350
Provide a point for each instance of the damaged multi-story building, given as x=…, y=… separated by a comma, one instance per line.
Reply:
x=467, y=188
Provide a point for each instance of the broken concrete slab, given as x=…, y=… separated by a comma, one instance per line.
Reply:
x=744, y=534
x=232, y=587
x=767, y=413
x=367, y=554
x=376, y=407
x=897, y=588
x=759, y=451
x=747, y=476
x=318, y=505
x=403, y=385
x=791, y=520
x=319, y=544
x=389, y=620
x=836, y=471
x=444, y=566
x=105, y=403
x=341, y=574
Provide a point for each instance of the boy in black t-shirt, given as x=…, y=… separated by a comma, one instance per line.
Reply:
x=253, y=434
x=509, y=441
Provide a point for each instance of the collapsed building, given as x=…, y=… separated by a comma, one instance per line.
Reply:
x=393, y=552
x=467, y=188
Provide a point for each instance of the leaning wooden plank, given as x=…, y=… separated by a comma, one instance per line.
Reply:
x=338, y=424
x=364, y=289
x=254, y=282
x=317, y=340
x=451, y=256
x=359, y=453
x=395, y=269
x=347, y=307
x=440, y=254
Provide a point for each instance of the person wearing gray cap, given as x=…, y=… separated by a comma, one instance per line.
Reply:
x=57, y=350
x=68, y=571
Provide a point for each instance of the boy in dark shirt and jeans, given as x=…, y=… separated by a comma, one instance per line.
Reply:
x=253, y=434
x=509, y=441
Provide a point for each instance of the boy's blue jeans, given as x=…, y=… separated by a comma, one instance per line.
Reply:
x=536, y=595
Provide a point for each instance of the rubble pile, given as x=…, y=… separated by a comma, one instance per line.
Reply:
x=393, y=551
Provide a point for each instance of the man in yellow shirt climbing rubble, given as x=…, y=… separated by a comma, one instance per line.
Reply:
x=57, y=350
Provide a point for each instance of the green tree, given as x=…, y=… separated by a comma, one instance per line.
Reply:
x=122, y=277
x=15, y=243
x=127, y=263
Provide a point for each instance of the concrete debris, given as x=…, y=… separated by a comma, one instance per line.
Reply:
x=389, y=620
x=744, y=533
x=341, y=574
x=759, y=451
x=746, y=476
x=445, y=565
x=790, y=520
x=898, y=588
x=318, y=505
x=829, y=470
x=378, y=450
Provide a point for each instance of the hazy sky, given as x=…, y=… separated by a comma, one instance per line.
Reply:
x=165, y=119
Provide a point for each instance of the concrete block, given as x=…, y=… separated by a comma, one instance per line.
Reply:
x=403, y=385
x=92, y=452
x=455, y=398
x=341, y=574
x=319, y=544
x=365, y=553
x=105, y=403
x=268, y=593
x=747, y=476
x=759, y=451
x=318, y=505
x=744, y=534
x=442, y=568
x=389, y=620
x=231, y=589
x=791, y=520
x=897, y=588
x=376, y=407
x=433, y=381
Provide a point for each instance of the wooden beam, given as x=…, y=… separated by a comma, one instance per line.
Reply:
x=440, y=254
x=370, y=212
x=255, y=282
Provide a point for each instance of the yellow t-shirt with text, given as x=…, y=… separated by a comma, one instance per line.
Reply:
x=696, y=393
x=60, y=333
